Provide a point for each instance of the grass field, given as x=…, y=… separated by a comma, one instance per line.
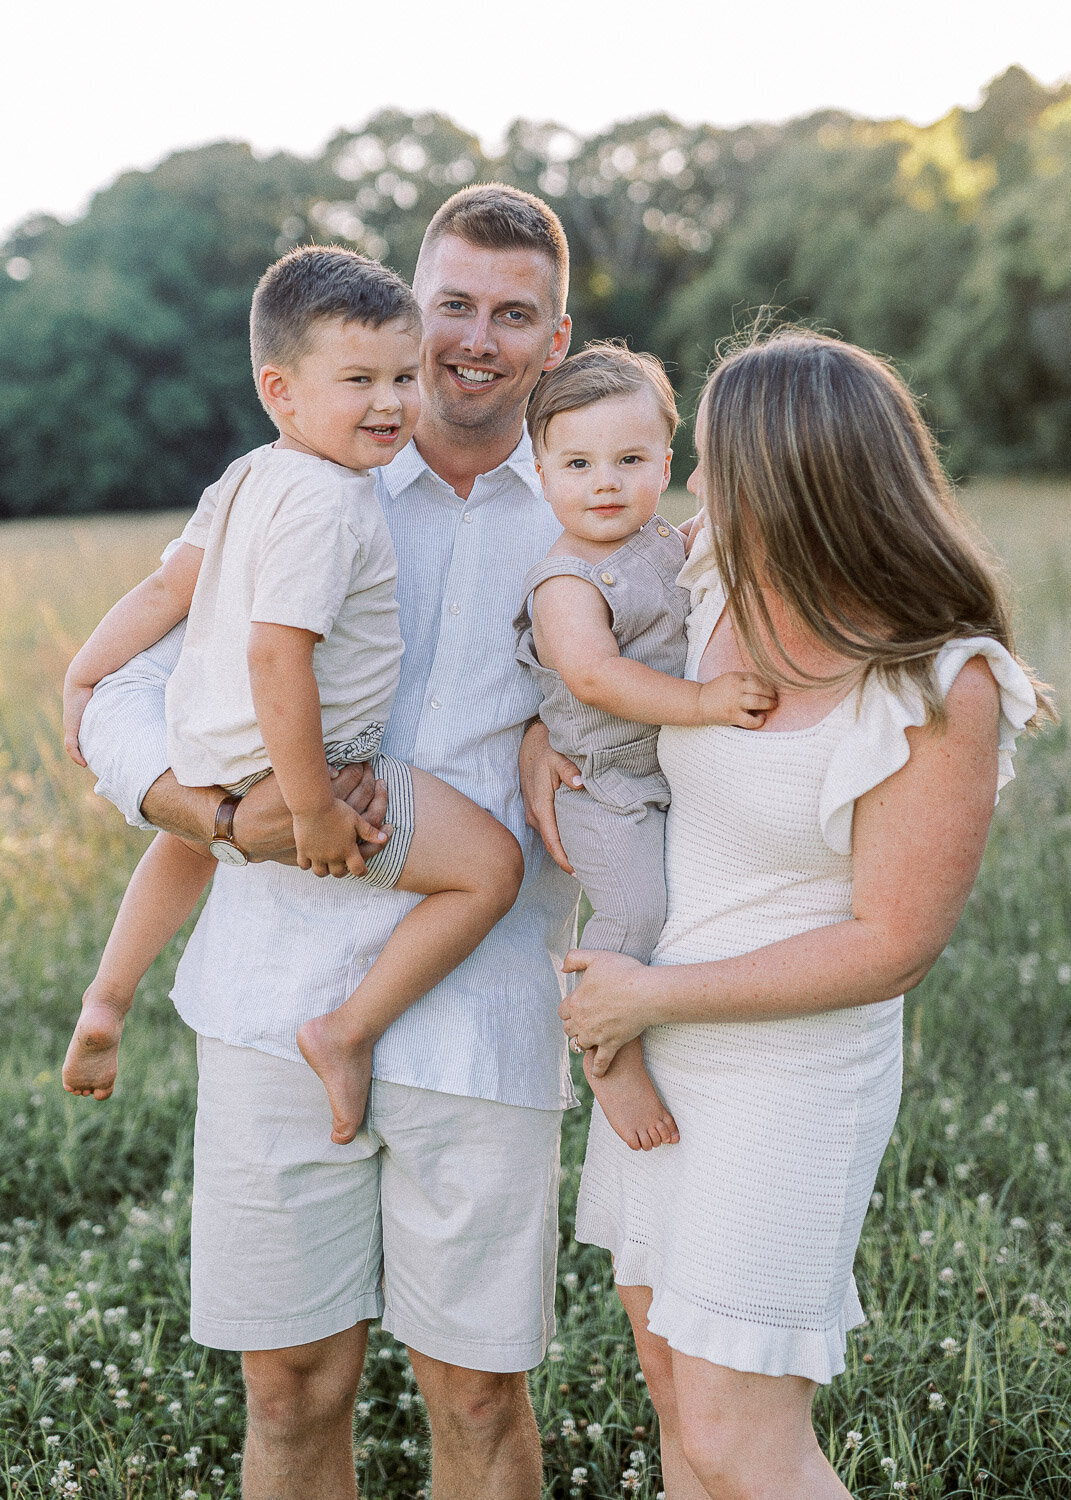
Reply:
x=959, y=1385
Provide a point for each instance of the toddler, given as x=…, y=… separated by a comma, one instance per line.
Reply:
x=603, y=630
x=289, y=665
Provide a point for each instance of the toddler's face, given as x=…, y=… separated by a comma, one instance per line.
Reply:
x=353, y=396
x=604, y=467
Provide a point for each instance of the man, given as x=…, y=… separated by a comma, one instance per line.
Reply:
x=451, y=1186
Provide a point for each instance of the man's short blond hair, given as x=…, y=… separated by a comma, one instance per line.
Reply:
x=601, y=370
x=495, y=216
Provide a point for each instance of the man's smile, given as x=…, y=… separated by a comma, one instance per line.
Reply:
x=471, y=378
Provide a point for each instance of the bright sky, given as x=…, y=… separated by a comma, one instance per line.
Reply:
x=87, y=90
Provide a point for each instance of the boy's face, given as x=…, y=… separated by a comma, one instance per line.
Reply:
x=604, y=467
x=352, y=397
x=490, y=328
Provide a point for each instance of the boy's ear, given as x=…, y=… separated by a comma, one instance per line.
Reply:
x=665, y=476
x=273, y=384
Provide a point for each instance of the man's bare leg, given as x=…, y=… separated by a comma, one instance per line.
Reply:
x=299, y=1444
x=484, y=1438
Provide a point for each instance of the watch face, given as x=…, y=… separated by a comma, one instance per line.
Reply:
x=227, y=854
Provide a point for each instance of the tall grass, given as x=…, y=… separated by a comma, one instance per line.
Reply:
x=960, y=1384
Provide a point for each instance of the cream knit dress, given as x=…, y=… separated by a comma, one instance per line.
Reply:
x=746, y=1231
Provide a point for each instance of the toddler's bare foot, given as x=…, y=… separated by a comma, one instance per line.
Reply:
x=343, y=1067
x=92, y=1059
x=628, y=1100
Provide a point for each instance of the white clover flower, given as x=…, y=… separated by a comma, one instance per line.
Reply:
x=385, y=1354
x=48, y=1422
x=39, y=1364
x=962, y=1170
x=149, y=1371
x=410, y=1447
x=937, y=1401
x=571, y=1281
x=555, y=1352
x=168, y=1195
x=135, y=1263
x=405, y=1400
x=98, y=1230
x=598, y=1383
x=53, y=1439
x=946, y=1274
x=139, y=1217
x=190, y=1457
x=579, y=1476
x=888, y=1463
x=1030, y=1095
x=136, y=1461
x=188, y=1495
x=640, y=1378
x=174, y=1407
x=94, y=1364
x=877, y=1200
x=112, y=1371
x=73, y=1301
x=1063, y=974
x=926, y=1238
x=67, y=1382
x=950, y=1346
x=853, y=1440
x=952, y=1130
x=637, y=1458
x=6, y=1334
x=64, y=1469
x=594, y=1431
x=1041, y=1153
x=217, y=1474
x=363, y=1408
x=899, y=1486
x=40, y=1310
x=568, y=1427
x=1019, y=1223
x=630, y=1480
x=5, y=1356
x=223, y=1400
x=946, y=1106
x=984, y=1201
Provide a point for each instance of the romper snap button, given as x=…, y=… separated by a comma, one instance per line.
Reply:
x=607, y=578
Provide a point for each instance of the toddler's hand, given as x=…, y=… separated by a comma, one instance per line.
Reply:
x=327, y=841
x=75, y=697
x=739, y=698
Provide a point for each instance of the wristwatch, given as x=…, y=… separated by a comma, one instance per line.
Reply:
x=224, y=845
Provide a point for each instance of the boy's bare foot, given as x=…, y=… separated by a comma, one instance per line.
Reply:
x=343, y=1067
x=92, y=1060
x=629, y=1102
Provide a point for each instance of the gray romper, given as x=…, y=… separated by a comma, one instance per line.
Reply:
x=613, y=830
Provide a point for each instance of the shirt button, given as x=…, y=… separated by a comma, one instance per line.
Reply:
x=467, y=517
x=435, y=703
x=663, y=530
x=455, y=609
x=607, y=578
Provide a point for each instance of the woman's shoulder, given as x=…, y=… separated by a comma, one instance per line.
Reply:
x=986, y=693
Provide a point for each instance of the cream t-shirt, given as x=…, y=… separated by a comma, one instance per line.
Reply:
x=289, y=539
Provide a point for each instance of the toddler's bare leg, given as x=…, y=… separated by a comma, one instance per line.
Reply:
x=163, y=890
x=628, y=1099
x=469, y=868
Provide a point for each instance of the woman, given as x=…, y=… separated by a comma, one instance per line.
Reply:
x=815, y=870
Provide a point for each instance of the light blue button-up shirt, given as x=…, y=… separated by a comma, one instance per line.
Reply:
x=275, y=945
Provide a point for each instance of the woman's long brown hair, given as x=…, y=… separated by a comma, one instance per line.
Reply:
x=823, y=484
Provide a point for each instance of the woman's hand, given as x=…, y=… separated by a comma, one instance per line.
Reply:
x=542, y=772
x=609, y=1005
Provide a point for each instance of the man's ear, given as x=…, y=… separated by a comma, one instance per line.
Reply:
x=560, y=344
x=273, y=383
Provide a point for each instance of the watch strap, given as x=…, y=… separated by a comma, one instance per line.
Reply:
x=224, y=829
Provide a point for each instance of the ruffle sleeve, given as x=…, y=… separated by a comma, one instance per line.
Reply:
x=876, y=745
x=699, y=574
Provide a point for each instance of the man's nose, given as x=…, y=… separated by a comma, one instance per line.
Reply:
x=479, y=337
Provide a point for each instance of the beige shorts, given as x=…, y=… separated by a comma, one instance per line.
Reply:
x=441, y=1217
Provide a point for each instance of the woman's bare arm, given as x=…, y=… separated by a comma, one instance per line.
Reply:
x=918, y=840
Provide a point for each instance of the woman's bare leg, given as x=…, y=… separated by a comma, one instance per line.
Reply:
x=162, y=893
x=468, y=868
x=656, y=1362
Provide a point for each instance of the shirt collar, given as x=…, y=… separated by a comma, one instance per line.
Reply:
x=409, y=466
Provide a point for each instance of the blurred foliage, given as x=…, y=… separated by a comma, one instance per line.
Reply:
x=124, y=380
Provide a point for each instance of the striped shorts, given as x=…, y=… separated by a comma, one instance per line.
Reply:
x=384, y=868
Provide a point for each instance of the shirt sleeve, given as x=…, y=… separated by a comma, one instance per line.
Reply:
x=196, y=530
x=123, y=734
x=305, y=567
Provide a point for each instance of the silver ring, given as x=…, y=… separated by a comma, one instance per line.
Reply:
x=575, y=1046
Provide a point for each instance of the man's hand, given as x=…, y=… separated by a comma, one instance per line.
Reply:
x=542, y=772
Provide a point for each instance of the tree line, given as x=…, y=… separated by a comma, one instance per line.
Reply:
x=124, y=374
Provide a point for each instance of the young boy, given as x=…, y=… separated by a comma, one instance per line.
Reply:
x=289, y=664
x=603, y=632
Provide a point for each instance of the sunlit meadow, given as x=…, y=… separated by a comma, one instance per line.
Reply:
x=960, y=1384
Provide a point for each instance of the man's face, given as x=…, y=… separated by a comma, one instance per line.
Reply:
x=490, y=328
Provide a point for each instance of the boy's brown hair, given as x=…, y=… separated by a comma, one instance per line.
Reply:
x=603, y=369
x=495, y=216
x=312, y=283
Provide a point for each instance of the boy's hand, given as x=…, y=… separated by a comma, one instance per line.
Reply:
x=75, y=697
x=739, y=698
x=327, y=841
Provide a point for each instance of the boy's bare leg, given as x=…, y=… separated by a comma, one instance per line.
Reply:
x=469, y=869
x=163, y=890
x=628, y=1099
